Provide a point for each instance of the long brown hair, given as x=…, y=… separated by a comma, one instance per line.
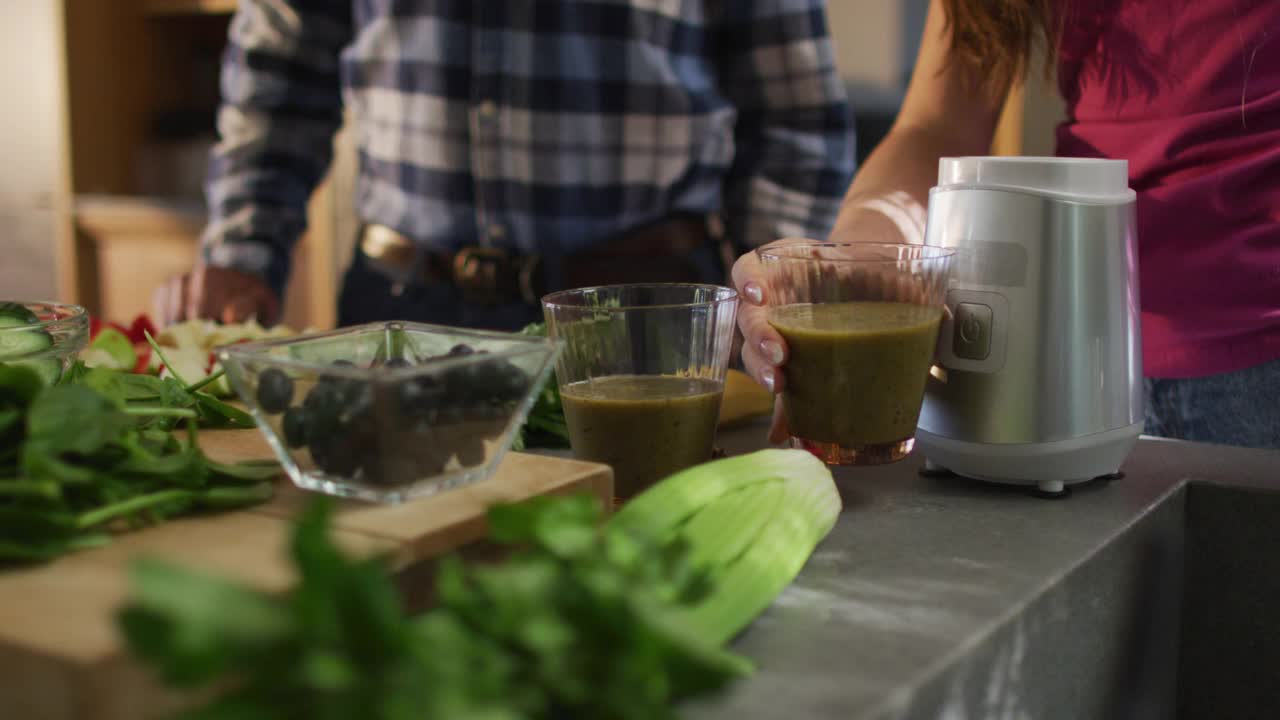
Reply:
x=996, y=38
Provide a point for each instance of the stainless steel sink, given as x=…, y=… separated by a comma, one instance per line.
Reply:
x=1154, y=596
x=1229, y=663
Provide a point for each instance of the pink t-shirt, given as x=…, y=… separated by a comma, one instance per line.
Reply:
x=1188, y=91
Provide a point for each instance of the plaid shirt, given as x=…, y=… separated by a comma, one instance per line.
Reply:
x=537, y=125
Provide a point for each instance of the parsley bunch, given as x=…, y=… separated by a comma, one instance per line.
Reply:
x=583, y=620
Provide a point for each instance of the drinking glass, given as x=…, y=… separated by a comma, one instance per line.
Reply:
x=860, y=321
x=642, y=374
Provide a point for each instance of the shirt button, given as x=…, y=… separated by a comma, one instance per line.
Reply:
x=487, y=110
x=497, y=232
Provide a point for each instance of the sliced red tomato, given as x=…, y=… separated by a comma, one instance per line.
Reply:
x=142, y=325
x=143, y=352
x=97, y=324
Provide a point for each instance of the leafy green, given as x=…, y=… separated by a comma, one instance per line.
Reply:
x=545, y=426
x=582, y=620
x=96, y=452
x=213, y=412
x=113, y=350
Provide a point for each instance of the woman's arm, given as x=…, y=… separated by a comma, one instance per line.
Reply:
x=947, y=111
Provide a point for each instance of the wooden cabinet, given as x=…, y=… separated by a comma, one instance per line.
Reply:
x=140, y=101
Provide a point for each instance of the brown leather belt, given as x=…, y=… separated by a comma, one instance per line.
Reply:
x=658, y=252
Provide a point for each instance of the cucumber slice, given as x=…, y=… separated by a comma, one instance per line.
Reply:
x=13, y=314
x=48, y=368
x=16, y=343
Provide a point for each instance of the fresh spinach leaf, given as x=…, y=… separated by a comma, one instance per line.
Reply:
x=215, y=413
x=73, y=419
x=99, y=453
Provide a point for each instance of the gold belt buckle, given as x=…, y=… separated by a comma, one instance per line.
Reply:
x=479, y=274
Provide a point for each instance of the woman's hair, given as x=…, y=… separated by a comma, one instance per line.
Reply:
x=996, y=37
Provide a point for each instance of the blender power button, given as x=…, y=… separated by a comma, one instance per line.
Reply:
x=972, y=337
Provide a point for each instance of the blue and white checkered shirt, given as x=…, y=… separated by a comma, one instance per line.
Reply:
x=538, y=125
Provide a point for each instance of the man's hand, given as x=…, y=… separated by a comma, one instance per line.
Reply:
x=213, y=293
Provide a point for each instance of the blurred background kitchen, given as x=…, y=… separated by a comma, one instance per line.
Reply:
x=109, y=118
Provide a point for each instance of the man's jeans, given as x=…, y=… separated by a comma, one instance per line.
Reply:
x=1236, y=408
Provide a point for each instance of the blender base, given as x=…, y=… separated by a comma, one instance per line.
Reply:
x=1050, y=468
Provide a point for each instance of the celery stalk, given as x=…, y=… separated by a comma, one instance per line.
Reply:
x=726, y=528
x=751, y=523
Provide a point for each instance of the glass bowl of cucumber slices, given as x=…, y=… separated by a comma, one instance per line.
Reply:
x=43, y=336
x=390, y=411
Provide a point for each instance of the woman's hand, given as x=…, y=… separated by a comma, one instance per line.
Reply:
x=764, y=352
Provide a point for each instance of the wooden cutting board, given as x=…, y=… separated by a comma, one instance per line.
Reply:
x=60, y=656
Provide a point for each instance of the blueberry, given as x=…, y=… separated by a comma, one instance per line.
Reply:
x=495, y=412
x=397, y=364
x=461, y=350
x=336, y=379
x=514, y=382
x=324, y=399
x=459, y=387
x=295, y=427
x=337, y=460
x=322, y=406
x=471, y=453
x=356, y=402
x=320, y=452
x=418, y=398
x=275, y=391
x=484, y=375
x=346, y=451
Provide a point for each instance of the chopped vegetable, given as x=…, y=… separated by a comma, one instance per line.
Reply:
x=605, y=621
x=188, y=346
x=110, y=349
x=27, y=346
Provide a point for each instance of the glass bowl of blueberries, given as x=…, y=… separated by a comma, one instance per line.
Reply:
x=390, y=411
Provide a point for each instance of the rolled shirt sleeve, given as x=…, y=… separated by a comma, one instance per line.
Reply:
x=794, y=136
x=281, y=106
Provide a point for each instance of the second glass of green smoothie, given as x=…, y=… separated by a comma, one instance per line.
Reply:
x=860, y=321
x=642, y=374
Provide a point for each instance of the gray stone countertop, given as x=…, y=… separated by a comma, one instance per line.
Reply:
x=920, y=572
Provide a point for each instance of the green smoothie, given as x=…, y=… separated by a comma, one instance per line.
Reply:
x=857, y=370
x=645, y=426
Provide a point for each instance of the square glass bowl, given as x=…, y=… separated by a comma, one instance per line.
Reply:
x=46, y=337
x=390, y=411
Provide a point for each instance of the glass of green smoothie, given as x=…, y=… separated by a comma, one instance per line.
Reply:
x=860, y=321
x=642, y=374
